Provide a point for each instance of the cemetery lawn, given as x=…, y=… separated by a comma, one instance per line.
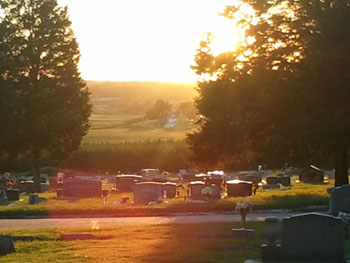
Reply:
x=299, y=197
x=192, y=243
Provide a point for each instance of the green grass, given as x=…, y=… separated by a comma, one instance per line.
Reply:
x=175, y=243
x=116, y=128
x=300, y=196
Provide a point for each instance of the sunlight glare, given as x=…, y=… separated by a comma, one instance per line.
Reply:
x=154, y=40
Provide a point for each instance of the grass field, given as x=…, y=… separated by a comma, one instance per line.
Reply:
x=299, y=197
x=117, y=128
x=193, y=243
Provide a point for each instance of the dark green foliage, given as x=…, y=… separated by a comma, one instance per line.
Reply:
x=160, y=110
x=288, y=100
x=45, y=99
x=130, y=157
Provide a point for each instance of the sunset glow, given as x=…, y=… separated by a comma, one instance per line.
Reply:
x=152, y=40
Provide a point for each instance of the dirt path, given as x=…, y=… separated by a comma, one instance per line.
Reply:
x=12, y=224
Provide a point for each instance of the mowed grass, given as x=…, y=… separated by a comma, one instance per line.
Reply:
x=298, y=197
x=116, y=128
x=175, y=243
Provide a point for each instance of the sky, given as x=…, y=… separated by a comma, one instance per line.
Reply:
x=145, y=40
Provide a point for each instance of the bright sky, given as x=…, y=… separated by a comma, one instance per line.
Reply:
x=145, y=40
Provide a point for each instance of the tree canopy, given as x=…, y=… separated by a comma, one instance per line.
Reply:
x=44, y=101
x=282, y=95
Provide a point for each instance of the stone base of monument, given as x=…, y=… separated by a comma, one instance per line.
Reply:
x=242, y=233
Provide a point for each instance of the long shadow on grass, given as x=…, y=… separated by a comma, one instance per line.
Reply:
x=210, y=242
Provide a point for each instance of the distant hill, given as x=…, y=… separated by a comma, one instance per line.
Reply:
x=142, y=91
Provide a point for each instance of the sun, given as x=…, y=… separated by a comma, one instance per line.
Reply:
x=153, y=40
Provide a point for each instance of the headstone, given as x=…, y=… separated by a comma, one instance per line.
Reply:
x=35, y=199
x=271, y=179
x=147, y=192
x=189, y=174
x=239, y=188
x=44, y=187
x=201, y=177
x=215, y=179
x=216, y=192
x=6, y=245
x=250, y=176
x=126, y=182
x=310, y=237
x=196, y=190
x=340, y=200
x=12, y=194
x=170, y=189
x=82, y=188
x=26, y=186
x=4, y=200
x=284, y=180
x=311, y=174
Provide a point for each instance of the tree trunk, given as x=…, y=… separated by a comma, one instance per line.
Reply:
x=36, y=171
x=341, y=165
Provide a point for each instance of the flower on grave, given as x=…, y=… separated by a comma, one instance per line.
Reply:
x=207, y=190
x=243, y=208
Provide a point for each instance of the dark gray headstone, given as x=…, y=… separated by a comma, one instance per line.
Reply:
x=239, y=188
x=6, y=245
x=271, y=179
x=196, y=190
x=250, y=176
x=12, y=194
x=313, y=237
x=340, y=200
x=148, y=192
x=311, y=174
x=82, y=188
x=170, y=189
x=125, y=183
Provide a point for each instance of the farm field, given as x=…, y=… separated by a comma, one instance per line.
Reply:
x=119, y=128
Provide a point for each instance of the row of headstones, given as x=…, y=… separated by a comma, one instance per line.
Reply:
x=311, y=237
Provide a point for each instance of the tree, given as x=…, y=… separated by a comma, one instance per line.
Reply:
x=160, y=110
x=188, y=110
x=45, y=99
x=283, y=95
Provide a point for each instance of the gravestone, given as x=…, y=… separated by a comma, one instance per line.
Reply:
x=170, y=189
x=6, y=245
x=26, y=186
x=284, y=180
x=82, y=188
x=271, y=179
x=12, y=194
x=126, y=182
x=239, y=188
x=250, y=176
x=311, y=174
x=200, y=177
x=310, y=237
x=216, y=179
x=146, y=192
x=216, y=192
x=340, y=200
x=196, y=190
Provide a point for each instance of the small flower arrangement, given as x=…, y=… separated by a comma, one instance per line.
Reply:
x=243, y=208
x=207, y=191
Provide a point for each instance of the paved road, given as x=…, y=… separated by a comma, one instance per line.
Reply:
x=12, y=224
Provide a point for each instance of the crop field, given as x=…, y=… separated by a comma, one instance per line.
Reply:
x=118, y=128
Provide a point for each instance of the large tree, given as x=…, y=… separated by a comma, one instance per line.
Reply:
x=283, y=95
x=44, y=101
